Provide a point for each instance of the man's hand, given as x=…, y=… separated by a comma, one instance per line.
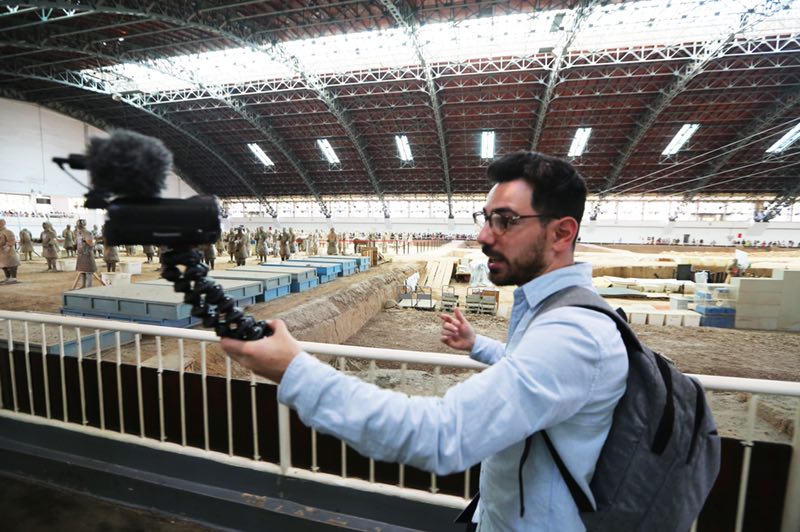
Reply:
x=268, y=357
x=457, y=332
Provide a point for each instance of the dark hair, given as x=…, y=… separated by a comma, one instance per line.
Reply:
x=558, y=189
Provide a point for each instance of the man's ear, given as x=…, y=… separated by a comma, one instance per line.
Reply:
x=564, y=231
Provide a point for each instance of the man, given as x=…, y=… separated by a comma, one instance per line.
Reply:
x=563, y=371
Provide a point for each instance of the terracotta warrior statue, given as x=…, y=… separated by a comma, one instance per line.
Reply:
x=9, y=260
x=49, y=240
x=85, y=265
x=333, y=243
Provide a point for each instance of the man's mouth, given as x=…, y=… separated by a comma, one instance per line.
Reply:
x=495, y=262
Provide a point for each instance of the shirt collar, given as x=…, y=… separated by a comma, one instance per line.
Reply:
x=537, y=290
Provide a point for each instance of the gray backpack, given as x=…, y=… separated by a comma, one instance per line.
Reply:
x=662, y=455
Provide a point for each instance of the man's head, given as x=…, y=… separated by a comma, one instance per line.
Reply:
x=81, y=224
x=534, y=212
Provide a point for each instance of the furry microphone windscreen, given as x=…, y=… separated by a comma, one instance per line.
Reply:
x=128, y=164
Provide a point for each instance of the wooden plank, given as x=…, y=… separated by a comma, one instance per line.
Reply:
x=435, y=280
x=435, y=274
x=430, y=273
x=448, y=273
x=432, y=278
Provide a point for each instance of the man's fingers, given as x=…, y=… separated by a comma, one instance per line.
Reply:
x=459, y=315
x=231, y=346
x=450, y=328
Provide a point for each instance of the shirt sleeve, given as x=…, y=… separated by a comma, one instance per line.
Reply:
x=487, y=350
x=546, y=380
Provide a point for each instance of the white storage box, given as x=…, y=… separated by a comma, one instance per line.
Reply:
x=133, y=268
x=66, y=265
x=116, y=277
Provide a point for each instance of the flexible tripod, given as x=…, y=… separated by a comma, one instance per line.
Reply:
x=208, y=300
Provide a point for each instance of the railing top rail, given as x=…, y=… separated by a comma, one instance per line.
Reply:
x=710, y=382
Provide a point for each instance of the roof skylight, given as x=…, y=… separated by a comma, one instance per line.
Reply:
x=327, y=151
x=487, y=145
x=681, y=138
x=579, y=141
x=260, y=155
x=403, y=149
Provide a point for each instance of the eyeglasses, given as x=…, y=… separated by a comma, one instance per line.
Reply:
x=499, y=223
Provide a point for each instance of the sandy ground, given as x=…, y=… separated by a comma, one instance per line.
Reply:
x=706, y=351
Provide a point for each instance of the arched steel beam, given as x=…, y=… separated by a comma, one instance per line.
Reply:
x=184, y=15
x=171, y=68
x=582, y=12
x=758, y=124
x=405, y=19
x=84, y=82
x=713, y=49
x=784, y=199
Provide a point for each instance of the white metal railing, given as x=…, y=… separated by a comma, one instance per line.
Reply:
x=18, y=328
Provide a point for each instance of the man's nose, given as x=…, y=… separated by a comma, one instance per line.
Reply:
x=486, y=235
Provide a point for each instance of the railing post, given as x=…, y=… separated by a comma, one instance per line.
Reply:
x=791, y=510
x=744, y=479
x=284, y=438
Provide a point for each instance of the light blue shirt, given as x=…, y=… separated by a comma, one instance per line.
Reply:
x=565, y=372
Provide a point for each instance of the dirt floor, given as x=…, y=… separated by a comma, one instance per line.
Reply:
x=702, y=350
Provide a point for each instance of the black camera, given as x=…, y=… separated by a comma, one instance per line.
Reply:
x=161, y=221
x=127, y=172
x=131, y=168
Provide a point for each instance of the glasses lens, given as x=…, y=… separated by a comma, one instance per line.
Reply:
x=479, y=218
x=498, y=222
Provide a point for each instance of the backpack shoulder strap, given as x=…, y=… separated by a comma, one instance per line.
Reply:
x=578, y=296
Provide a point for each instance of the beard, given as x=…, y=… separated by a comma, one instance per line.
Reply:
x=518, y=271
